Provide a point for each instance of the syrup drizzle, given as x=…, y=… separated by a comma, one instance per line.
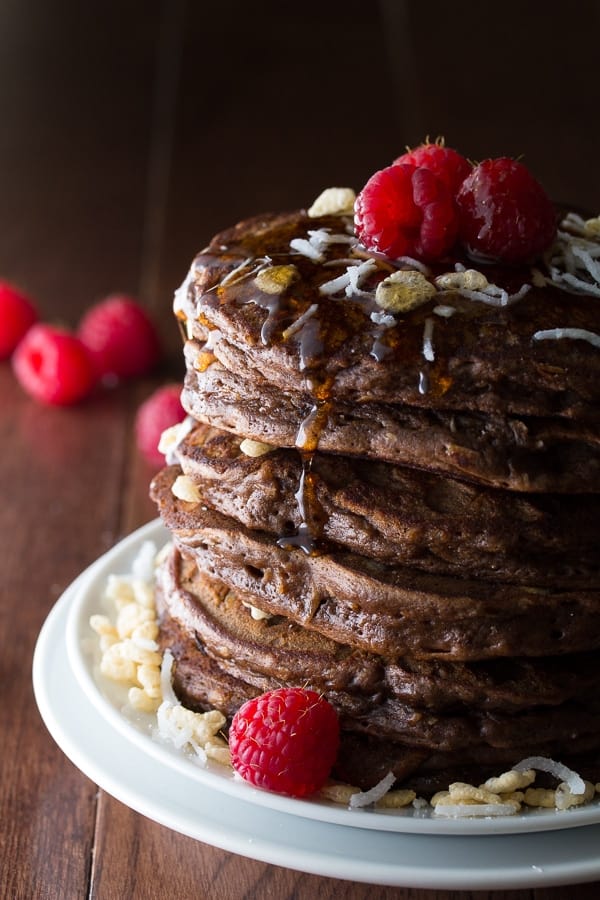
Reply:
x=317, y=336
x=305, y=537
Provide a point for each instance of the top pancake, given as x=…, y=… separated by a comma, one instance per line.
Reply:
x=482, y=358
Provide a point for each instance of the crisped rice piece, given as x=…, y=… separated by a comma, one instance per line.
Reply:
x=510, y=781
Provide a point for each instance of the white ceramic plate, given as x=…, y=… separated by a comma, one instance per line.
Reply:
x=168, y=795
x=109, y=700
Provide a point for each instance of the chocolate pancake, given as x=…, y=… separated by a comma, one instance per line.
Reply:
x=524, y=454
x=483, y=358
x=399, y=515
x=386, y=609
x=272, y=650
x=225, y=660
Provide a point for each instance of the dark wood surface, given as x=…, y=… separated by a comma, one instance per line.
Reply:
x=129, y=133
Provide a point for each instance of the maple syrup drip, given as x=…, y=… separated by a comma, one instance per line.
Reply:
x=304, y=537
x=310, y=343
x=308, y=536
x=271, y=304
x=312, y=425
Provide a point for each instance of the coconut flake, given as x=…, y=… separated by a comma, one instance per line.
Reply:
x=575, y=334
x=166, y=686
x=558, y=770
x=231, y=276
x=350, y=280
x=384, y=319
x=306, y=248
x=336, y=285
x=317, y=242
x=356, y=276
x=365, y=798
x=577, y=284
x=463, y=810
x=324, y=237
x=414, y=264
x=495, y=296
x=297, y=325
x=572, y=259
x=428, y=351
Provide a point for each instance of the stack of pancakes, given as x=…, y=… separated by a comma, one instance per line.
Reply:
x=398, y=508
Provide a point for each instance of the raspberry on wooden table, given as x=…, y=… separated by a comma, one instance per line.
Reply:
x=160, y=411
x=405, y=210
x=285, y=741
x=504, y=213
x=17, y=315
x=53, y=366
x=449, y=166
x=121, y=338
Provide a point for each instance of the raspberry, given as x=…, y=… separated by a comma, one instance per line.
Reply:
x=285, y=741
x=449, y=166
x=17, y=315
x=161, y=410
x=53, y=366
x=406, y=211
x=121, y=338
x=504, y=213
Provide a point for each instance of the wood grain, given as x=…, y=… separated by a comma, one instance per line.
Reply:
x=129, y=134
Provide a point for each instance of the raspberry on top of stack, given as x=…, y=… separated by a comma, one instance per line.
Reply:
x=387, y=490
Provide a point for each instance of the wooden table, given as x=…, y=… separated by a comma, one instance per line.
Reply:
x=129, y=133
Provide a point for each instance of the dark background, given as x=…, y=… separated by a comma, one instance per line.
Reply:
x=130, y=132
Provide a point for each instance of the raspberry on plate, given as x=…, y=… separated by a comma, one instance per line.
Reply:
x=449, y=166
x=160, y=411
x=404, y=210
x=17, y=315
x=285, y=741
x=53, y=366
x=504, y=213
x=121, y=338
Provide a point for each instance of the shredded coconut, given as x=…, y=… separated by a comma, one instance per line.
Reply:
x=496, y=296
x=383, y=319
x=575, y=334
x=543, y=764
x=351, y=280
x=365, y=798
x=572, y=259
x=428, y=351
x=297, y=325
x=231, y=276
x=414, y=264
x=318, y=240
